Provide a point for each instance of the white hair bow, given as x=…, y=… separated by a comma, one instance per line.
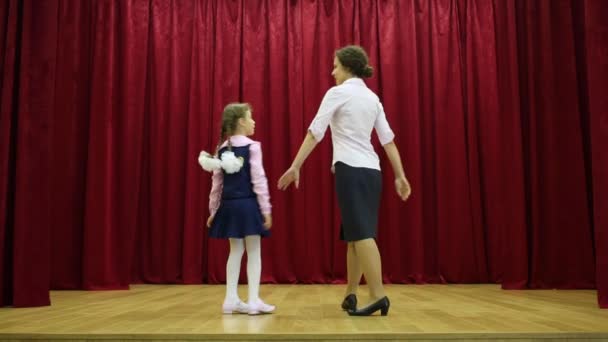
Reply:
x=228, y=161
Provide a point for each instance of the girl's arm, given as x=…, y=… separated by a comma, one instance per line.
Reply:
x=260, y=182
x=217, y=180
x=258, y=178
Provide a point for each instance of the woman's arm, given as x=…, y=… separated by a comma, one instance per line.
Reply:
x=293, y=173
x=402, y=186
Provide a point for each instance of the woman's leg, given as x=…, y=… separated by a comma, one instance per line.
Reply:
x=368, y=256
x=233, y=269
x=353, y=270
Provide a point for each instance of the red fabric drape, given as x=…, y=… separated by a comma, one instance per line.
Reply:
x=595, y=61
x=497, y=107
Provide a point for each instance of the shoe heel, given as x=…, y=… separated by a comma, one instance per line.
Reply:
x=384, y=311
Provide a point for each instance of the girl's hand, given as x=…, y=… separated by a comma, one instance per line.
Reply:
x=403, y=188
x=209, y=221
x=291, y=175
x=267, y=221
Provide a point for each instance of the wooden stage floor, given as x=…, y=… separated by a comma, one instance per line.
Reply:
x=311, y=313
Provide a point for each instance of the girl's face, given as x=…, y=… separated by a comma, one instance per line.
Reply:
x=247, y=124
x=339, y=72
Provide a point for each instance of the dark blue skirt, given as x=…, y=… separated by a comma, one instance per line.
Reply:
x=358, y=191
x=237, y=218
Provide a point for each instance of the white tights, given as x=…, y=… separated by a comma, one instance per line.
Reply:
x=254, y=268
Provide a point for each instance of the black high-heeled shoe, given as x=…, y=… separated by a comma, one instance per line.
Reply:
x=350, y=302
x=383, y=304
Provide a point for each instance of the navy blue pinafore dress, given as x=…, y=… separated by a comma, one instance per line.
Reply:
x=239, y=214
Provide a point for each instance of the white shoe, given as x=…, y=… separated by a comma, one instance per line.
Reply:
x=238, y=307
x=258, y=307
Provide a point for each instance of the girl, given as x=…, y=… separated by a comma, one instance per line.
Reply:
x=239, y=205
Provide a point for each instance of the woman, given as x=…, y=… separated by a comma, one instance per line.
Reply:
x=352, y=111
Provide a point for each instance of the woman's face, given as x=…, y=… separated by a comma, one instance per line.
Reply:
x=339, y=72
x=247, y=124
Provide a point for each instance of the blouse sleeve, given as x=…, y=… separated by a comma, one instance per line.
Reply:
x=258, y=178
x=217, y=181
x=332, y=101
x=384, y=131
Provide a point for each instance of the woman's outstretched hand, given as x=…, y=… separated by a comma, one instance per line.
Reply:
x=291, y=175
x=403, y=188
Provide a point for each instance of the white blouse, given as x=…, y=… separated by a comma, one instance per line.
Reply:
x=352, y=110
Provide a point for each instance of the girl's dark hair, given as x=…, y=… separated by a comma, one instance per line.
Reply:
x=355, y=60
x=230, y=118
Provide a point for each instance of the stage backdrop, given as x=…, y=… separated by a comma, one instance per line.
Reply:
x=499, y=109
